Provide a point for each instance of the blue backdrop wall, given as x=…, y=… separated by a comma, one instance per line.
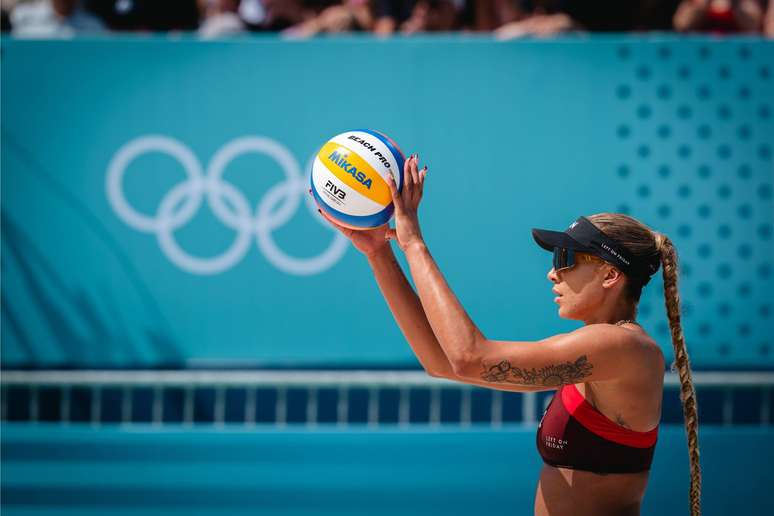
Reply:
x=154, y=206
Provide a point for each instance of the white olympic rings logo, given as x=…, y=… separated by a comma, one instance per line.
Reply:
x=182, y=202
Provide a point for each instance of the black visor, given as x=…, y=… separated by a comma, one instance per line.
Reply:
x=585, y=237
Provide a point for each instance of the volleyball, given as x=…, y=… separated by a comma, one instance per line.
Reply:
x=349, y=178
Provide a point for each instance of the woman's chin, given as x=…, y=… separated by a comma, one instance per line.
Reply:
x=564, y=313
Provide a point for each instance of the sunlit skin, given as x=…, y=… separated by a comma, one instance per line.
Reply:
x=624, y=383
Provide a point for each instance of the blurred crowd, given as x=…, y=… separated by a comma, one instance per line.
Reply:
x=305, y=18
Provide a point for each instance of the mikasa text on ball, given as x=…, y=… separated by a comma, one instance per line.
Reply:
x=349, y=178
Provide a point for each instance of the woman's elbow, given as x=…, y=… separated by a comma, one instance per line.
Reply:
x=463, y=366
x=446, y=375
x=448, y=371
x=436, y=374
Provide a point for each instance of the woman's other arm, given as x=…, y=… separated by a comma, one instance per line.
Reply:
x=407, y=310
x=408, y=313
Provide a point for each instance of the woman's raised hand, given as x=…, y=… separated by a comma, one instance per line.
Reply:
x=367, y=241
x=406, y=204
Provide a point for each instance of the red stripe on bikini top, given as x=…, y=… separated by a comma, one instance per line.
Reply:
x=596, y=422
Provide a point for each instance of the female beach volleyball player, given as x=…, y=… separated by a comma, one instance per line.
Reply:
x=598, y=435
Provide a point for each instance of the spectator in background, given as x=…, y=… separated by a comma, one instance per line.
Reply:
x=553, y=17
x=412, y=16
x=348, y=16
x=389, y=14
x=431, y=16
x=768, y=21
x=487, y=15
x=547, y=18
x=52, y=19
x=220, y=18
x=719, y=16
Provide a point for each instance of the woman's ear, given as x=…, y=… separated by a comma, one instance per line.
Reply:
x=611, y=276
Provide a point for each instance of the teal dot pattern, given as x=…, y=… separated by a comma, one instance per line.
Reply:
x=695, y=126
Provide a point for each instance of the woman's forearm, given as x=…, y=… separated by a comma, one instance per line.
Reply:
x=408, y=312
x=456, y=333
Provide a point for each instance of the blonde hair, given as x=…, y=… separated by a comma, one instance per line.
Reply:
x=644, y=243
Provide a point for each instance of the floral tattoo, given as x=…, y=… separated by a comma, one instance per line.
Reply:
x=549, y=376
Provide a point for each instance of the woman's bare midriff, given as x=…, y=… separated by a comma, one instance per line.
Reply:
x=567, y=492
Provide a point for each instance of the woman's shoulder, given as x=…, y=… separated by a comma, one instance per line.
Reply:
x=632, y=342
x=640, y=378
x=642, y=341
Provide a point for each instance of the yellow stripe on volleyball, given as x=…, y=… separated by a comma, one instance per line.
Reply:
x=355, y=172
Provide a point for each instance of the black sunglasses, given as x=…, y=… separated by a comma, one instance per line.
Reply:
x=563, y=258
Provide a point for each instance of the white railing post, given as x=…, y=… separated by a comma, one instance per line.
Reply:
x=32, y=406
x=250, y=405
x=96, y=406
x=219, y=406
x=188, y=406
x=126, y=405
x=404, y=407
x=496, y=409
x=64, y=405
x=528, y=403
x=373, y=407
x=435, y=406
x=311, y=407
x=465, y=407
x=281, y=407
x=342, y=406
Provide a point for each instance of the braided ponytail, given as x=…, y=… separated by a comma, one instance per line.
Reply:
x=681, y=364
x=646, y=244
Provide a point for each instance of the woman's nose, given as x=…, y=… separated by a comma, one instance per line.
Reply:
x=552, y=276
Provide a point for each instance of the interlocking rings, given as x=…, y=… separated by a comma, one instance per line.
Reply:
x=183, y=201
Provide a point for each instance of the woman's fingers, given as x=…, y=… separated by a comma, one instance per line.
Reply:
x=345, y=231
x=414, y=172
x=422, y=174
x=396, y=200
x=407, y=179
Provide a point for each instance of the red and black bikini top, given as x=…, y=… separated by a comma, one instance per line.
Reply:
x=573, y=434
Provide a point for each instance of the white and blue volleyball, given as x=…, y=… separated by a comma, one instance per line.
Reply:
x=349, y=178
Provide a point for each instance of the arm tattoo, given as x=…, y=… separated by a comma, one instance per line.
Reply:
x=550, y=375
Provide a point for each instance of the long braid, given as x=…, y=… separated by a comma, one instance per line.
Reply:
x=653, y=247
x=682, y=364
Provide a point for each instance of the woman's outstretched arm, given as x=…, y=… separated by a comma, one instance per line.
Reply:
x=408, y=313
x=406, y=308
